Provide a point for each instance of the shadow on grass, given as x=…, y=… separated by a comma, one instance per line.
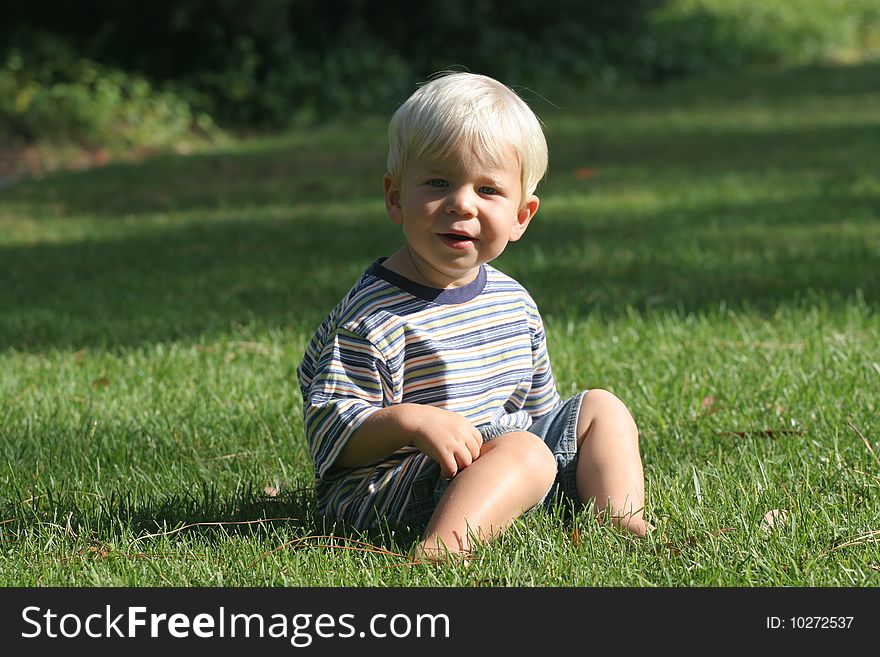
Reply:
x=210, y=516
x=760, y=256
x=195, y=281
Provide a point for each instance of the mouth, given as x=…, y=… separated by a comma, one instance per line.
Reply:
x=457, y=240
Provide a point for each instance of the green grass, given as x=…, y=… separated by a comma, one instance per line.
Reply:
x=708, y=251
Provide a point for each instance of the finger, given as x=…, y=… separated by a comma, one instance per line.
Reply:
x=474, y=445
x=478, y=441
x=463, y=458
x=448, y=466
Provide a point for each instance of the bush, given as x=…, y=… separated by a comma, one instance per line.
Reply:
x=285, y=85
x=276, y=62
x=48, y=94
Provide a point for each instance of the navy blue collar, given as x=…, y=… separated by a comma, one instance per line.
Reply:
x=449, y=295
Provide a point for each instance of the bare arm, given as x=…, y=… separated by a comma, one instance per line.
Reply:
x=446, y=437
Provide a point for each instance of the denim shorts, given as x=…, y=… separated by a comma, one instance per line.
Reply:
x=558, y=430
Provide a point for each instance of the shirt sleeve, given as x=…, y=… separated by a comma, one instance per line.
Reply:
x=346, y=388
x=543, y=396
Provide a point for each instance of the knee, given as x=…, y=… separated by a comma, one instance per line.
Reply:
x=531, y=456
x=601, y=408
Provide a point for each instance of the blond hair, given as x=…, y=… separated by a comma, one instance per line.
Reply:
x=466, y=109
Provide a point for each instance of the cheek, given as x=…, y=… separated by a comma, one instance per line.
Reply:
x=423, y=212
x=504, y=228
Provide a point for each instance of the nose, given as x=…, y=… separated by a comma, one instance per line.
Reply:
x=461, y=201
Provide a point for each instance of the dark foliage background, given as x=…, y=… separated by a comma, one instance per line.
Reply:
x=273, y=62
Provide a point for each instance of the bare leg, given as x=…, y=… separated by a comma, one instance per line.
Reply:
x=609, y=466
x=510, y=476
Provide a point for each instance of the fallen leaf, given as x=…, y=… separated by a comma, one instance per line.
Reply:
x=774, y=519
x=576, y=536
x=270, y=491
x=101, y=157
x=709, y=407
x=103, y=382
x=722, y=530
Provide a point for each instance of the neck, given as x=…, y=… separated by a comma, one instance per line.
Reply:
x=407, y=263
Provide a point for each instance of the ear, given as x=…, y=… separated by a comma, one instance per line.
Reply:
x=392, y=199
x=523, y=217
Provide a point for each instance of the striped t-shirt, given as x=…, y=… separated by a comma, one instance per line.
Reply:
x=478, y=350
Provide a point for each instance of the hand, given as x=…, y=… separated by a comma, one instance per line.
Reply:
x=446, y=437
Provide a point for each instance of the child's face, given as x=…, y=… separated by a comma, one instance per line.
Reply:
x=458, y=213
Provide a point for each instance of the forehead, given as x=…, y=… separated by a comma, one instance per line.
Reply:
x=500, y=161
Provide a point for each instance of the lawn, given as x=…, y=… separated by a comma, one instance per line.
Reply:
x=708, y=251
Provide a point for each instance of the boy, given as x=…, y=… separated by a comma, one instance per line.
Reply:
x=428, y=394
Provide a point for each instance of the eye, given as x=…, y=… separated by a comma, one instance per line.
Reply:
x=437, y=182
x=490, y=191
